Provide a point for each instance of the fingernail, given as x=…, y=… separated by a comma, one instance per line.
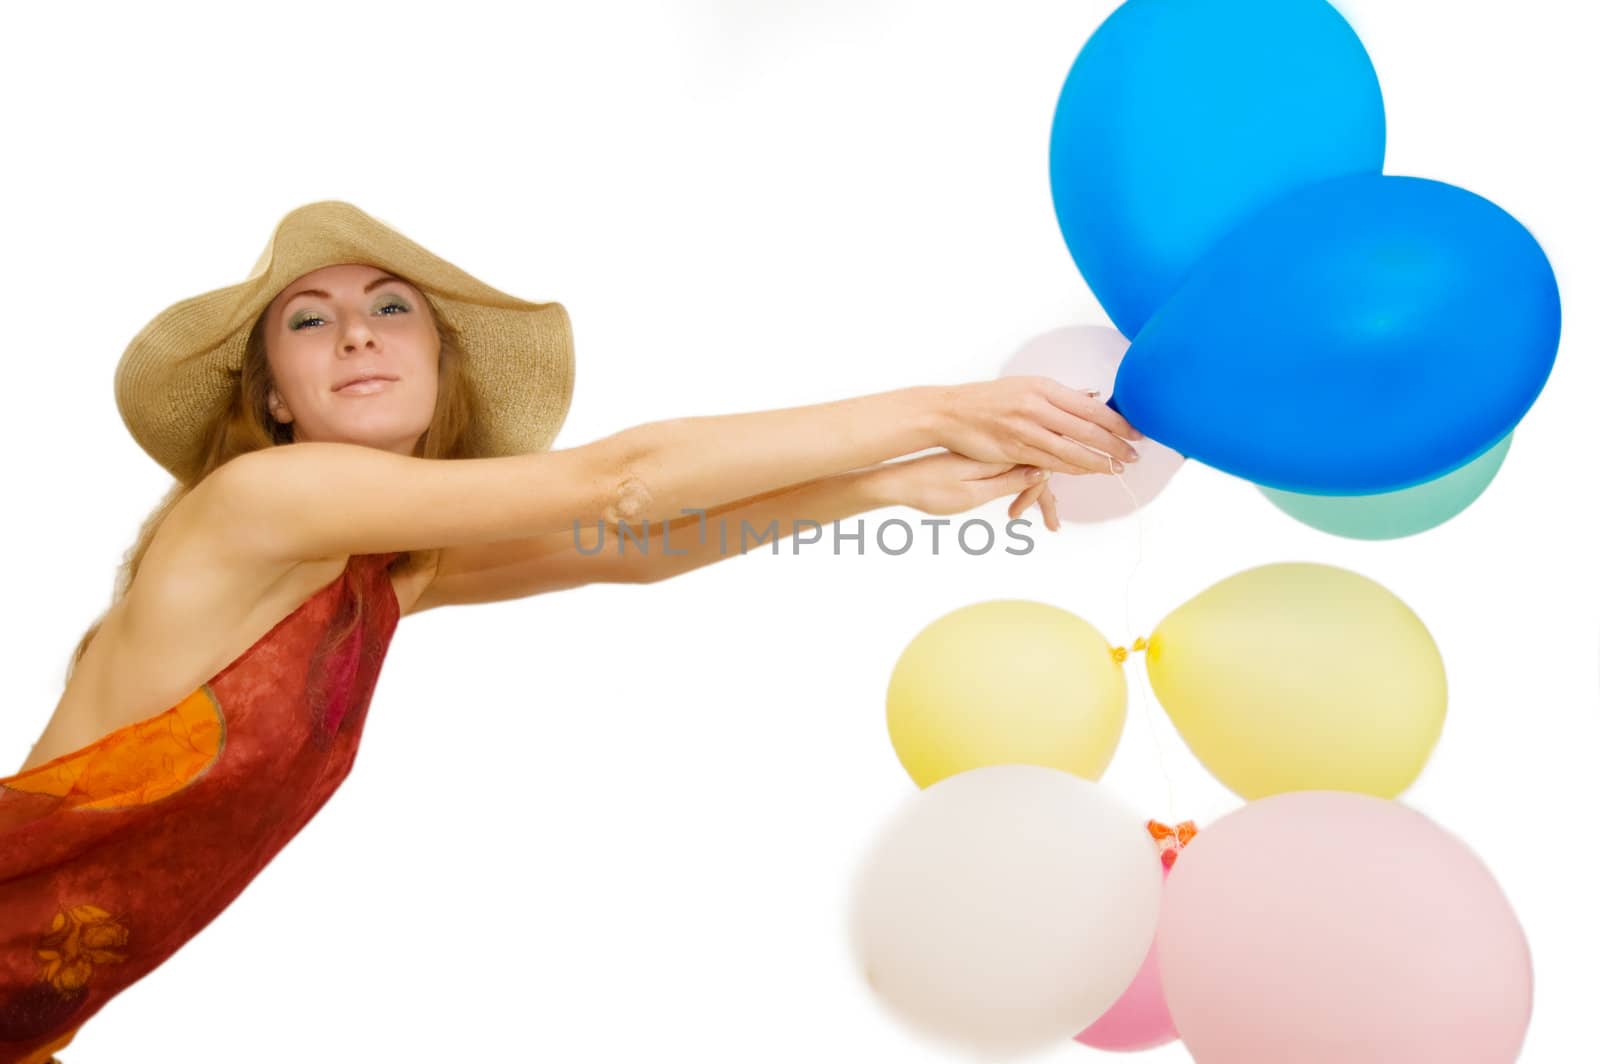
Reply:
x=1134, y=457
x=1035, y=474
x=1116, y=466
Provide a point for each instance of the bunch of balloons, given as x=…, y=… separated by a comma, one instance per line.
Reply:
x=1015, y=902
x=1359, y=345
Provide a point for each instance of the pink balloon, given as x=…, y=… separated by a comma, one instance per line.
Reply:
x=1323, y=927
x=1086, y=357
x=1139, y=1020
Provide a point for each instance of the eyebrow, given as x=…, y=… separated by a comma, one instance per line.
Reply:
x=375, y=282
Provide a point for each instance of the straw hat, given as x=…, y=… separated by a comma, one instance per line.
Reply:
x=183, y=365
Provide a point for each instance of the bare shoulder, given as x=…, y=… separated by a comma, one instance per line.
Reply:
x=195, y=560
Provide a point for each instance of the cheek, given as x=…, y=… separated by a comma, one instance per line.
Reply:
x=431, y=389
x=290, y=374
x=426, y=354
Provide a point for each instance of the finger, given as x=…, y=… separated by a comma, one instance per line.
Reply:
x=977, y=470
x=1047, y=505
x=951, y=467
x=1089, y=434
x=951, y=464
x=1090, y=409
x=1066, y=455
x=1016, y=478
x=1019, y=481
x=1022, y=502
x=1029, y=453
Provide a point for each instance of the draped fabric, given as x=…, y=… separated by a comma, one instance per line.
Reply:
x=115, y=855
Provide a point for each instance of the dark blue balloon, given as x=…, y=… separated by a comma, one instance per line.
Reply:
x=1365, y=334
x=1180, y=118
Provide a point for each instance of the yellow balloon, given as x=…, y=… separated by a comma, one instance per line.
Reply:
x=1006, y=682
x=1300, y=676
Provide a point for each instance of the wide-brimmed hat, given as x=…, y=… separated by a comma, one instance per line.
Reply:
x=517, y=355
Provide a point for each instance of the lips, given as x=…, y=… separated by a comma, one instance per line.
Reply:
x=364, y=377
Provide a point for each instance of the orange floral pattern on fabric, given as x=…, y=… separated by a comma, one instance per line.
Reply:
x=79, y=938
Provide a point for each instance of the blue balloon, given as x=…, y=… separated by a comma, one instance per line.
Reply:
x=1180, y=118
x=1363, y=335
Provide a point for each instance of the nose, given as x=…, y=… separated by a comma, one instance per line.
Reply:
x=357, y=335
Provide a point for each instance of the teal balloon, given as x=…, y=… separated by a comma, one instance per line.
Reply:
x=1394, y=514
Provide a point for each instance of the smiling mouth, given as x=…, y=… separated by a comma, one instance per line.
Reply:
x=364, y=387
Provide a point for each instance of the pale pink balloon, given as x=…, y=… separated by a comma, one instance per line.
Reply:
x=1139, y=1020
x=1086, y=357
x=1323, y=927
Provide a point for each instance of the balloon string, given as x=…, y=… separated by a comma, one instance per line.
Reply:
x=1139, y=643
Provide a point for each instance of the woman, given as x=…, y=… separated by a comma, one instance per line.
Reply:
x=219, y=702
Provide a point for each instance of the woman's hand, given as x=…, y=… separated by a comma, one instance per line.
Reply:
x=945, y=483
x=1035, y=421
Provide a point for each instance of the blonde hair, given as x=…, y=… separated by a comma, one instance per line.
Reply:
x=244, y=424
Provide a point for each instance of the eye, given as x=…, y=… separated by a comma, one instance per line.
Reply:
x=393, y=303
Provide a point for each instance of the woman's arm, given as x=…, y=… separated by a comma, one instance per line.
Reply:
x=707, y=462
x=323, y=499
x=756, y=523
x=940, y=484
x=558, y=561
x=317, y=500
x=701, y=463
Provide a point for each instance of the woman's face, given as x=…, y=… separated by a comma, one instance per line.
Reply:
x=346, y=321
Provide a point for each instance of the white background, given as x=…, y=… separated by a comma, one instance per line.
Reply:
x=620, y=822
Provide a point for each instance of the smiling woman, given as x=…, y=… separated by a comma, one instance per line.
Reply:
x=314, y=380
x=357, y=431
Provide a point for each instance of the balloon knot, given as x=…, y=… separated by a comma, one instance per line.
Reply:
x=1120, y=654
x=1171, y=840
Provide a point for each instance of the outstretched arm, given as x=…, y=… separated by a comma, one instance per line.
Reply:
x=711, y=462
x=318, y=500
x=756, y=523
x=941, y=483
x=671, y=466
x=583, y=554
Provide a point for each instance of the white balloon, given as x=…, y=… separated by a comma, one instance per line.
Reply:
x=1086, y=358
x=1006, y=908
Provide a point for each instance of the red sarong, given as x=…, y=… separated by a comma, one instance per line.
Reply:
x=115, y=855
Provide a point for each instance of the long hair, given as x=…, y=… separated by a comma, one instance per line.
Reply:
x=243, y=424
